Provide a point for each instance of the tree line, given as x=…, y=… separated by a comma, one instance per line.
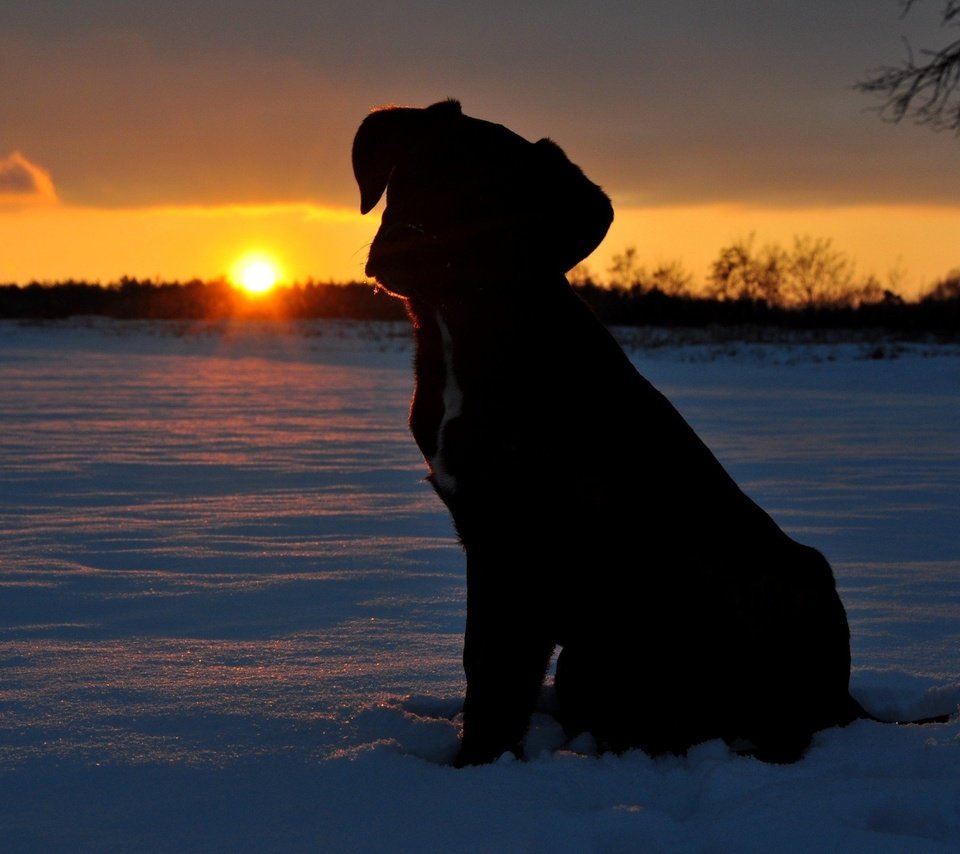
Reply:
x=809, y=274
x=808, y=285
x=131, y=298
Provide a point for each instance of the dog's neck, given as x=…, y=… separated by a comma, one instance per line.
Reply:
x=467, y=342
x=484, y=308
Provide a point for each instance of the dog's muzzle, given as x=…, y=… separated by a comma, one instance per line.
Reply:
x=399, y=248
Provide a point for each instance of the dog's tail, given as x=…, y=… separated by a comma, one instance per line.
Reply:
x=858, y=712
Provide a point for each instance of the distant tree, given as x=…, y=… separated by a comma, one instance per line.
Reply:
x=815, y=274
x=946, y=290
x=812, y=274
x=742, y=273
x=896, y=277
x=625, y=270
x=581, y=274
x=925, y=87
x=872, y=292
x=670, y=277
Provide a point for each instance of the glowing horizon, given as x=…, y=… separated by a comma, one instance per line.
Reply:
x=59, y=241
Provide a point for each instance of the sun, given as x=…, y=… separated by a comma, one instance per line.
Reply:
x=256, y=273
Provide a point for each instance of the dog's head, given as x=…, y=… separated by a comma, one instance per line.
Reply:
x=470, y=202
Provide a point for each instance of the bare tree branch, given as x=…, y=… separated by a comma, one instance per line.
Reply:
x=951, y=9
x=925, y=89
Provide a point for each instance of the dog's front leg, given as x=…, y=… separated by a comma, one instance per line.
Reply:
x=506, y=651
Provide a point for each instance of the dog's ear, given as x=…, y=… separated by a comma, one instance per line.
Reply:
x=579, y=212
x=384, y=137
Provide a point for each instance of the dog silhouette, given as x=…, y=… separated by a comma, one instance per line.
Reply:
x=592, y=516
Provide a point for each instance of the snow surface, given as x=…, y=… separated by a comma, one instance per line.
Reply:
x=231, y=610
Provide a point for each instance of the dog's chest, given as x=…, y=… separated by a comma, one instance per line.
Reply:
x=434, y=433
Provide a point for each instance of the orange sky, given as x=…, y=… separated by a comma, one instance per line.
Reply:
x=54, y=241
x=167, y=140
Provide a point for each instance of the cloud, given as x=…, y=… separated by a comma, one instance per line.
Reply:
x=24, y=182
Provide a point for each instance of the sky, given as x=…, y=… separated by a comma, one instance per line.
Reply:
x=167, y=139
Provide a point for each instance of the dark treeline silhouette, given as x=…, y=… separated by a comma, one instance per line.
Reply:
x=932, y=315
x=194, y=300
x=937, y=313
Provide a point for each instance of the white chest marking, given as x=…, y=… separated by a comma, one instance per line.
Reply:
x=452, y=408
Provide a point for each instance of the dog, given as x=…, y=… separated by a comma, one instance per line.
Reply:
x=592, y=517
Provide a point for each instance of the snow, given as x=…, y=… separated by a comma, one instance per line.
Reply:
x=231, y=609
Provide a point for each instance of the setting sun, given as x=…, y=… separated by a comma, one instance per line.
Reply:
x=256, y=274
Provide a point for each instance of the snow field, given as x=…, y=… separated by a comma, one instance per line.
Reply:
x=231, y=611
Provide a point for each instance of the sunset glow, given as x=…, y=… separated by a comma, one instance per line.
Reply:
x=256, y=274
x=330, y=244
x=733, y=139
